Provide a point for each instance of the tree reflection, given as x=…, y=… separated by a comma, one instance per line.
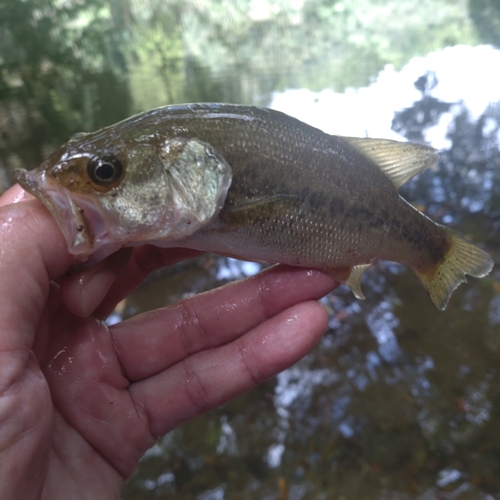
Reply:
x=398, y=401
x=77, y=65
x=61, y=71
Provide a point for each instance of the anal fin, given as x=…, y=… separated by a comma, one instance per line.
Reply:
x=351, y=276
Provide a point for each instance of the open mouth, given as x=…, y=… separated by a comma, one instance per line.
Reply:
x=72, y=219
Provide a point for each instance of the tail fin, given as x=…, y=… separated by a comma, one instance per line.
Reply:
x=462, y=258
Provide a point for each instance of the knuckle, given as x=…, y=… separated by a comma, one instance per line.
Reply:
x=197, y=391
x=193, y=335
x=249, y=365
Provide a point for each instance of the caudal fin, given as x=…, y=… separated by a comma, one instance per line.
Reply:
x=462, y=258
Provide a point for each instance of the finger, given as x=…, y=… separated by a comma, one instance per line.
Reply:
x=209, y=378
x=143, y=262
x=32, y=252
x=154, y=341
x=15, y=194
x=83, y=291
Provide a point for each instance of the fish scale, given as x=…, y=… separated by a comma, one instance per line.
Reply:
x=251, y=183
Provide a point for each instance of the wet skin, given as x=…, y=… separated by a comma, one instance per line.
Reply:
x=251, y=183
x=80, y=402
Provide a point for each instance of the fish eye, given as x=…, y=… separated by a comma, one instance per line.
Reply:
x=105, y=171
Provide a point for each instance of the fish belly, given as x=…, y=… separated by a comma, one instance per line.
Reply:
x=311, y=237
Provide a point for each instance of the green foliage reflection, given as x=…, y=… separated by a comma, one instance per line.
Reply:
x=71, y=65
x=61, y=70
x=486, y=16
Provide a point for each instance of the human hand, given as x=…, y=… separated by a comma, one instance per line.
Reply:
x=81, y=402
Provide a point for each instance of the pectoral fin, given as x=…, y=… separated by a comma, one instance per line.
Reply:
x=351, y=276
x=257, y=210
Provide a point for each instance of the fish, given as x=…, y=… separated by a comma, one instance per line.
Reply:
x=254, y=184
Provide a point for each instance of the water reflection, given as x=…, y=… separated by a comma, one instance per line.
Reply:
x=232, y=269
x=381, y=321
x=398, y=401
x=494, y=311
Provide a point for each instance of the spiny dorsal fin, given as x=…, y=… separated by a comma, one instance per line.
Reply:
x=400, y=161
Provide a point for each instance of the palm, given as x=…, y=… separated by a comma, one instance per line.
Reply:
x=79, y=411
x=98, y=434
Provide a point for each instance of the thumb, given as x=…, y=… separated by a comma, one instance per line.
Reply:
x=32, y=253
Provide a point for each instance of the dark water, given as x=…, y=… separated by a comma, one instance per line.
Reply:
x=398, y=401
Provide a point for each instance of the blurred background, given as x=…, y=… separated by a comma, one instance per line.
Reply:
x=398, y=401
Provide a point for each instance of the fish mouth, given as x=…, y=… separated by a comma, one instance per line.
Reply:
x=76, y=222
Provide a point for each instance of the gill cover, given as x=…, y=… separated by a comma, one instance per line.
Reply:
x=167, y=192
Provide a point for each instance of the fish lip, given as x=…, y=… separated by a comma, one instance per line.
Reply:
x=68, y=215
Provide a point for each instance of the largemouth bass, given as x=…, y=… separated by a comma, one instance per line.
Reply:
x=251, y=183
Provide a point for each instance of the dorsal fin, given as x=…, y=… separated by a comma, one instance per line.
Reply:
x=400, y=161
